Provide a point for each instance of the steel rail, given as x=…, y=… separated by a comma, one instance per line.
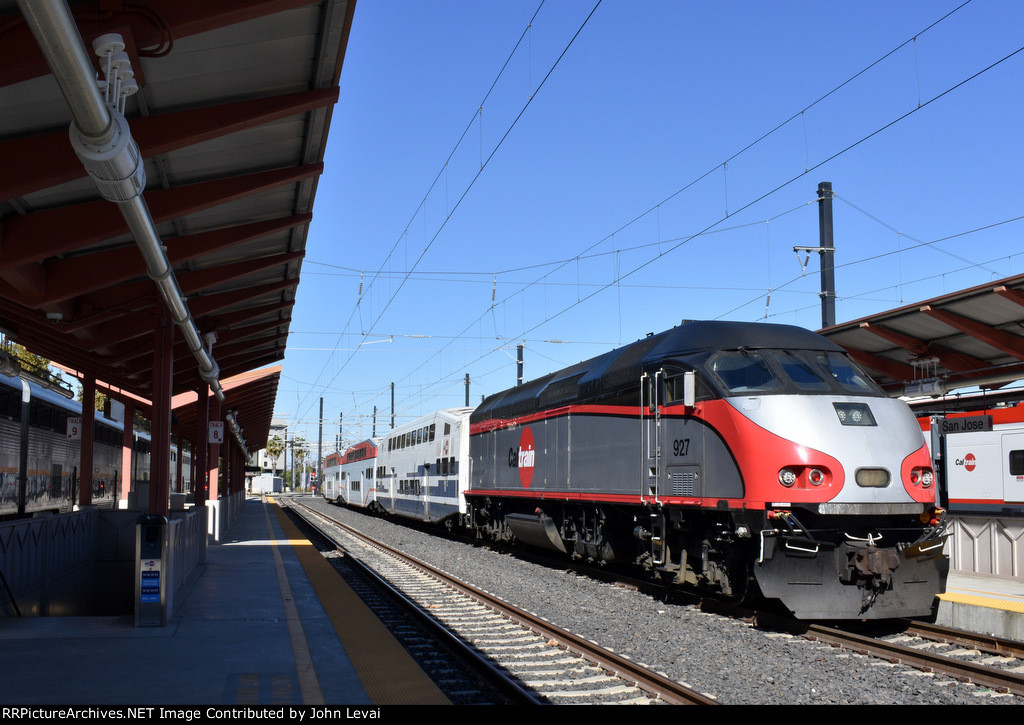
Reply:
x=664, y=688
x=517, y=694
x=987, y=643
x=984, y=675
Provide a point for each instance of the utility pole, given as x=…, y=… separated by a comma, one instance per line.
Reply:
x=519, y=364
x=320, y=446
x=467, y=390
x=826, y=252
x=392, y=406
x=827, y=246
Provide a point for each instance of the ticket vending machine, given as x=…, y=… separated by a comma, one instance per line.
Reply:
x=151, y=572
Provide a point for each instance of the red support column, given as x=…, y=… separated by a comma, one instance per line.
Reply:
x=85, y=461
x=178, y=481
x=214, y=463
x=160, y=454
x=200, y=456
x=127, y=448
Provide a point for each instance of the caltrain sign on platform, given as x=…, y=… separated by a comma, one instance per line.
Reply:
x=74, y=428
x=216, y=431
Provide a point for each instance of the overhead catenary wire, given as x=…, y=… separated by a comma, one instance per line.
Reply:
x=732, y=213
x=484, y=162
x=549, y=317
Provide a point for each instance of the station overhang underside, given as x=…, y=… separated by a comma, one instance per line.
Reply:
x=230, y=108
x=971, y=340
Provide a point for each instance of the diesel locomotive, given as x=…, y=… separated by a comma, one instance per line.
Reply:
x=743, y=459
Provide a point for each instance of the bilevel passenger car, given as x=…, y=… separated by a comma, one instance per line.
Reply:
x=727, y=456
x=421, y=467
x=53, y=455
x=348, y=477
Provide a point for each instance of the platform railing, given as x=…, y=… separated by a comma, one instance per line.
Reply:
x=82, y=563
x=986, y=546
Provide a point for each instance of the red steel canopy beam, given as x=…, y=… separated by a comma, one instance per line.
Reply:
x=44, y=234
x=144, y=367
x=228, y=320
x=998, y=339
x=67, y=278
x=1014, y=295
x=895, y=370
x=127, y=328
x=120, y=297
x=48, y=159
x=950, y=359
x=151, y=27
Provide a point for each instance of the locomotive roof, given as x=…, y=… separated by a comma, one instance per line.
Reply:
x=623, y=366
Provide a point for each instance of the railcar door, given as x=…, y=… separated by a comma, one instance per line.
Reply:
x=1013, y=467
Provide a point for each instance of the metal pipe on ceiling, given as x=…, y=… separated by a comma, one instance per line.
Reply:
x=941, y=386
x=102, y=139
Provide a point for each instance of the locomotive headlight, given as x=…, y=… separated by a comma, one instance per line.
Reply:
x=922, y=476
x=854, y=414
x=872, y=477
x=787, y=477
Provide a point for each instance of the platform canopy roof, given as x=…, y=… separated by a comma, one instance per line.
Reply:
x=231, y=117
x=966, y=339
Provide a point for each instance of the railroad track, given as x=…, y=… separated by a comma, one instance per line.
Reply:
x=984, y=660
x=540, y=663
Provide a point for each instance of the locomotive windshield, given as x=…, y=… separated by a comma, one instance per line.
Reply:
x=745, y=372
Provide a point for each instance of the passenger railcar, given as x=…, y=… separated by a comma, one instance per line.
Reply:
x=727, y=456
x=329, y=487
x=980, y=460
x=53, y=456
x=356, y=482
x=421, y=468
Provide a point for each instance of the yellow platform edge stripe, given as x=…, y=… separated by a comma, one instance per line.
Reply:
x=977, y=601
x=388, y=673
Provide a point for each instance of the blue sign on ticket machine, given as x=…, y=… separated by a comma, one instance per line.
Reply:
x=151, y=572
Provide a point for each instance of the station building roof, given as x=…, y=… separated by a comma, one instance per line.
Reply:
x=231, y=117
x=973, y=338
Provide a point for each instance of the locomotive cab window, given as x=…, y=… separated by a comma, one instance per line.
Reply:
x=847, y=374
x=743, y=371
x=800, y=371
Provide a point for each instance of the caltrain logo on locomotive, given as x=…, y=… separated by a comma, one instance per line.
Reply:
x=522, y=458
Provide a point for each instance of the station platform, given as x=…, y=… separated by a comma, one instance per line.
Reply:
x=265, y=622
x=989, y=605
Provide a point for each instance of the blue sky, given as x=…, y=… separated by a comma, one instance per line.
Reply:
x=636, y=164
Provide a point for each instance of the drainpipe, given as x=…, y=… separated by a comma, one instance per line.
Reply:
x=102, y=139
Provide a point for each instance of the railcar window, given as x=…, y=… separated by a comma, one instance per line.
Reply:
x=674, y=389
x=800, y=372
x=1017, y=463
x=432, y=427
x=745, y=372
x=846, y=373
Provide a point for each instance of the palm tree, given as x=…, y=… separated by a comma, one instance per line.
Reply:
x=299, y=459
x=275, y=447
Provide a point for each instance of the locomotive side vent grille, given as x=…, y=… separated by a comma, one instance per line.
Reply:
x=683, y=483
